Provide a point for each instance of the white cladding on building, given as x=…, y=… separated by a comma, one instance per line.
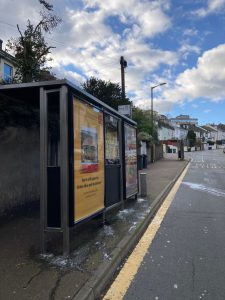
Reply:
x=165, y=133
x=168, y=130
x=214, y=132
x=180, y=132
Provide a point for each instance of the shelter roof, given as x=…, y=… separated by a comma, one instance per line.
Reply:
x=52, y=84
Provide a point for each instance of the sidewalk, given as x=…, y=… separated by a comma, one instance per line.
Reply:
x=97, y=250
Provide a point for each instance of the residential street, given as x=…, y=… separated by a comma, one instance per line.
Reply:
x=186, y=259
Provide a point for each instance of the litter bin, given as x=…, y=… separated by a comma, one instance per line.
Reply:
x=140, y=162
x=179, y=153
x=145, y=161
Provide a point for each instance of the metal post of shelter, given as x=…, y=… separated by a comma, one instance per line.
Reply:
x=64, y=169
x=43, y=167
x=122, y=162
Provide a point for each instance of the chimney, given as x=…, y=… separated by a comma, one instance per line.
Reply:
x=1, y=41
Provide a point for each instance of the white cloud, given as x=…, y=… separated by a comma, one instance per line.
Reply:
x=190, y=32
x=186, y=49
x=213, y=6
x=87, y=46
x=194, y=105
x=95, y=49
x=13, y=13
x=206, y=80
x=148, y=15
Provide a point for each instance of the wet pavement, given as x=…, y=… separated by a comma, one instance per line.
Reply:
x=95, y=248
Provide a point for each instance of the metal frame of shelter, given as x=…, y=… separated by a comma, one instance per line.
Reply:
x=66, y=92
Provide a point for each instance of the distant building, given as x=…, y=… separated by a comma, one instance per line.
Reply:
x=220, y=136
x=211, y=134
x=215, y=132
x=7, y=66
x=164, y=127
x=168, y=130
x=184, y=121
x=180, y=132
x=200, y=131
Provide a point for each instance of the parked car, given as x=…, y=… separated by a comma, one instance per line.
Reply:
x=224, y=150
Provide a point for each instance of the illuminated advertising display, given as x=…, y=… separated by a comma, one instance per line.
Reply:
x=130, y=160
x=88, y=160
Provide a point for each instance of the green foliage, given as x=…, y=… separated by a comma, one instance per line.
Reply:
x=144, y=136
x=106, y=91
x=30, y=48
x=143, y=119
x=191, y=136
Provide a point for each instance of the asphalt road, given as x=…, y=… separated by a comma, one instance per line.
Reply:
x=186, y=259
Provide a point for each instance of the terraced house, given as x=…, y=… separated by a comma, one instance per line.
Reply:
x=7, y=66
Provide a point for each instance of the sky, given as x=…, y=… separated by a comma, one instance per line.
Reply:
x=178, y=42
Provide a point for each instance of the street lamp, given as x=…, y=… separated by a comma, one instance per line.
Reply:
x=153, y=87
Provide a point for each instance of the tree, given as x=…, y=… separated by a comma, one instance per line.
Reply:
x=191, y=136
x=30, y=48
x=144, y=127
x=106, y=91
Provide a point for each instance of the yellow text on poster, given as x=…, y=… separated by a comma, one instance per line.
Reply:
x=88, y=160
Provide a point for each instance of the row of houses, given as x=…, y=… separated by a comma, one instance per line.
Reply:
x=170, y=130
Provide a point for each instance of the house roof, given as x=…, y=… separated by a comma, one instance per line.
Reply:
x=198, y=128
x=7, y=56
x=209, y=128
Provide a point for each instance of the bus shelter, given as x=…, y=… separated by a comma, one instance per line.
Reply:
x=88, y=153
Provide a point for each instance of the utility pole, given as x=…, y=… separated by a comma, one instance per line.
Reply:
x=123, y=64
x=152, y=116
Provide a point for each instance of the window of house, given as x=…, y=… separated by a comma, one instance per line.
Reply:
x=8, y=73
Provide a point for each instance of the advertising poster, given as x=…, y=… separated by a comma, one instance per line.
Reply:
x=130, y=160
x=88, y=160
x=89, y=150
x=111, y=140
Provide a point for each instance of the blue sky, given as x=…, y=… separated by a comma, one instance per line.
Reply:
x=178, y=42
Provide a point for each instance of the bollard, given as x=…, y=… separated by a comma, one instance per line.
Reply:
x=143, y=184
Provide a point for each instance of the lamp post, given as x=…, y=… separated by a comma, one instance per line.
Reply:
x=153, y=87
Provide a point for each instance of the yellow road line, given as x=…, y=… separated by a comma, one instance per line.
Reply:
x=123, y=280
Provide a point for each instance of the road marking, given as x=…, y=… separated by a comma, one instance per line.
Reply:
x=203, y=188
x=122, y=282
